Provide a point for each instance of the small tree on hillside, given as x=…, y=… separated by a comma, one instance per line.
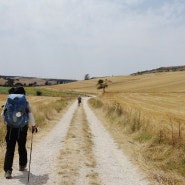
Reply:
x=86, y=77
x=102, y=84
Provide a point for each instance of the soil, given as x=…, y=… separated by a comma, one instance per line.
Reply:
x=77, y=151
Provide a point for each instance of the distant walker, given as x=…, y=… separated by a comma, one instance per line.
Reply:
x=79, y=100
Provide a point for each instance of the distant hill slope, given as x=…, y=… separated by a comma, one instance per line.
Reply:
x=161, y=69
x=31, y=81
x=168, y=82
x=126, y=81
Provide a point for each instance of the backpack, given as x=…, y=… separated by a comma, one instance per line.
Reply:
x=16, y=114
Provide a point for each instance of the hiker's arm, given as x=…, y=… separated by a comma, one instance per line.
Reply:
x=30, y=115
x=31, y=118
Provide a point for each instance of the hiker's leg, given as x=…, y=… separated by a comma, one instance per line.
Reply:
x=22, y=146
x=10, y=148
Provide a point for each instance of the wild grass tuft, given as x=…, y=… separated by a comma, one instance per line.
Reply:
x=96, y=103
x=2, y=133
x=46, y=112
x=114, y=109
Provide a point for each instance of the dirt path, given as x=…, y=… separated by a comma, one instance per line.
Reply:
x=78, y=151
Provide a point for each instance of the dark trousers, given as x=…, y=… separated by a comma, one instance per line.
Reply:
x=13, y=136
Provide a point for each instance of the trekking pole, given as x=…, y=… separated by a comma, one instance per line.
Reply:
x=30, y=157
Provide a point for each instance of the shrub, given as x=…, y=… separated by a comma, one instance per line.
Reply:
x=38, y=93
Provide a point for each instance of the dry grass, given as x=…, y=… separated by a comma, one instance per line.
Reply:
x=158, y=154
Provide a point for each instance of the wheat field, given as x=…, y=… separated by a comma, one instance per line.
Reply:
x=158, y=94
x=158, y=102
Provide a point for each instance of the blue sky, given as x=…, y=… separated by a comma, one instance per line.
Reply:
x=71, y=38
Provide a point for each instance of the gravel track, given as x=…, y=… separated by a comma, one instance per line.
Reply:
x=114, y=168
x=110, y=164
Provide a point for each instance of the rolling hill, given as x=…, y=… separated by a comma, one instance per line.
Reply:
x=31, y=81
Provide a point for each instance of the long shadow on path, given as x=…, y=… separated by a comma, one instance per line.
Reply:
x=33, y=179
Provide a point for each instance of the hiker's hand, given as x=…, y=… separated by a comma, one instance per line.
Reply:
x=34, y=129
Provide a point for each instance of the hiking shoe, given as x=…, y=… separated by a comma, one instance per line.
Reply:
x=22, y=168
x=8, y=174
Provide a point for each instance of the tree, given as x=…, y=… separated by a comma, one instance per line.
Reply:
x=9, y=82
x=47, y=83
x=102, y=84
x=86, y=77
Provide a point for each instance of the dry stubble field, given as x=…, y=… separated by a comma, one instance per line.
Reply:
x=159, y=95
x=158, y=99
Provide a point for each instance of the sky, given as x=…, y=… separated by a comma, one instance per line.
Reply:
x=67, y=39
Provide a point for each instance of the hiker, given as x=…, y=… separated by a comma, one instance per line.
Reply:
x=16, y=134
x=79, y=100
